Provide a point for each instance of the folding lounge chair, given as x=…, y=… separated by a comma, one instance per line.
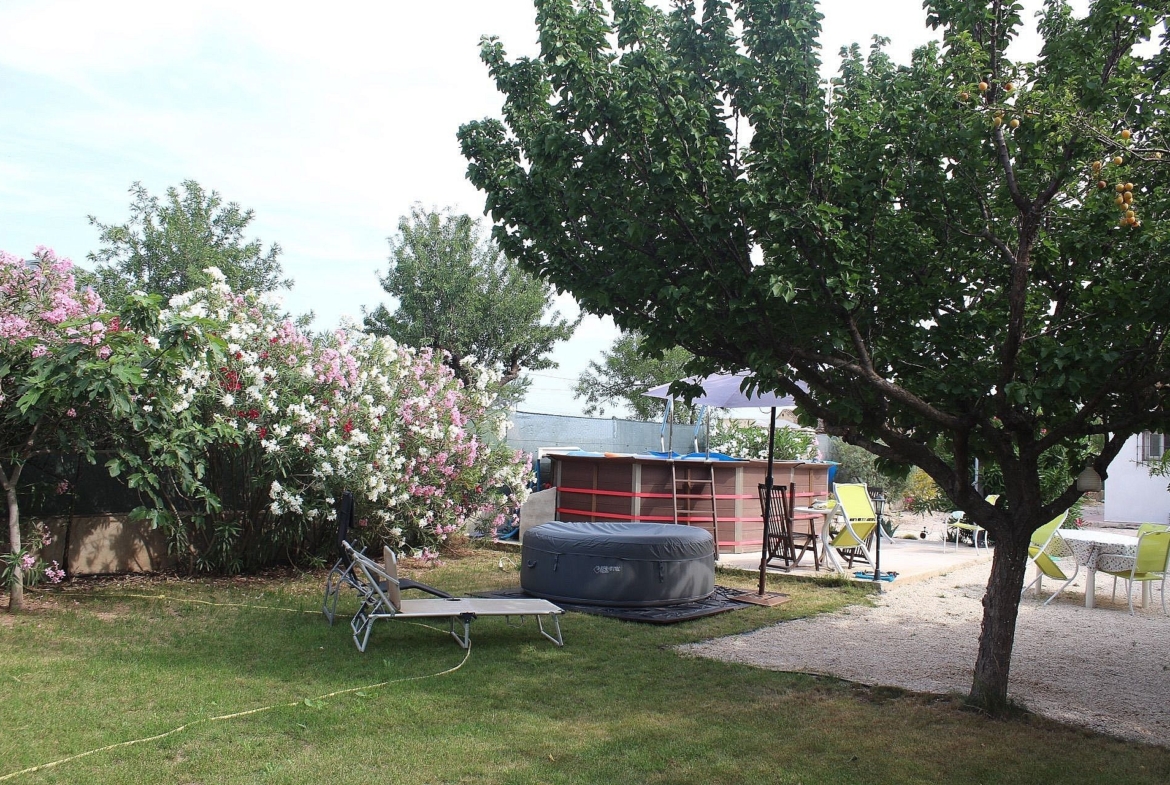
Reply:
x=387, y=603
x=860, y=524
x=1047, y=544
x=342, y=573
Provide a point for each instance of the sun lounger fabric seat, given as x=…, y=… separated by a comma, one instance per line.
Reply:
x=382, y=600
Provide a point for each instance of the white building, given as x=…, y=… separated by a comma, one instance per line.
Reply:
x=1131, y=494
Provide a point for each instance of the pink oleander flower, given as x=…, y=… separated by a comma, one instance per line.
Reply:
x=71, y=413
x=63, y=487
x=28, y=561
x=55, y=573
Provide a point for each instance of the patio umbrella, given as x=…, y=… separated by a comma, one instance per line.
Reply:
x=723, y=390
x=726, y=392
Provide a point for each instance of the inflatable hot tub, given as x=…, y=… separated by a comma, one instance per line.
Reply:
x=627, y=564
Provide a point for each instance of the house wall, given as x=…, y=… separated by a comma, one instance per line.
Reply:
x=1131, y=494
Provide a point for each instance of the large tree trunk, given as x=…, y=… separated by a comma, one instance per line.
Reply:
x=16, y=587
x=1001, y=606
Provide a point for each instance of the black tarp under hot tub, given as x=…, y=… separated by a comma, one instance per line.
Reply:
x=628, y=564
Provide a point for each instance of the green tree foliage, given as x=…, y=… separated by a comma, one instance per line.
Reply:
x=624, y=374
x=856, y=464
x=166, y=245
x=935, y=249
x=456, y=292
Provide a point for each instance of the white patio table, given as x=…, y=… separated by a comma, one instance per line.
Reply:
x=1101, y=550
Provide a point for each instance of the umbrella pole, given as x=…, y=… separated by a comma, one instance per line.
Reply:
x=767, y=500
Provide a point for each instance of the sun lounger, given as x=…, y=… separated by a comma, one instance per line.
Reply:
x=382, y=600
x=342, y=573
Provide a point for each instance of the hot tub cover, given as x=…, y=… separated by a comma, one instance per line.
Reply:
x=633, y=541
x=629, y=564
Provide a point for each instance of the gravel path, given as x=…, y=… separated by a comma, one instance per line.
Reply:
x=1099, y=668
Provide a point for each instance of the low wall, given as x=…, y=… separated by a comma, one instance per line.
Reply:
x=106, y=544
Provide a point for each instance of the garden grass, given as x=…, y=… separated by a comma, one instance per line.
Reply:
x=92, y=666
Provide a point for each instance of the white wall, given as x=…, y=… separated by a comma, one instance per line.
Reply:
x=1131, y=494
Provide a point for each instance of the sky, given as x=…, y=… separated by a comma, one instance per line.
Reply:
x=329, y=120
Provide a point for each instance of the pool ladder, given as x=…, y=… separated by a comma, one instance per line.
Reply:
x=684, y=496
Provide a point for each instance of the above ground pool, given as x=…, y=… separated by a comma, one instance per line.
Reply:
x=601, y=488
x=626, y=564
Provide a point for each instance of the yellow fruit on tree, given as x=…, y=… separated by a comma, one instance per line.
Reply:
x=1129, y=186
x=1009, y=87
x=1127, y=197
x=1125, y=133
x=964, y=96
x=1119, y=201
x=1130, y=214
x=1118, y=160
x=1014, y=123
x=1096, y=166
x=1119, y=187
x=983, y=87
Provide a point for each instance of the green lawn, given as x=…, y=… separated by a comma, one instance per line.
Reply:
x=91, y=667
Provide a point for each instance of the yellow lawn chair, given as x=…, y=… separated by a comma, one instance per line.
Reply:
x=1047, y=544
x=1150, y=563
x=860, y=523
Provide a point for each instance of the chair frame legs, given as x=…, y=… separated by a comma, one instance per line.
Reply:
x=1129, y=593
x=339, y=576
x=1038, y=582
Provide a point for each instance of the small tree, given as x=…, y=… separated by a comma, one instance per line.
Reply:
x=962, y=258
x=66, y=370
x=455, y=292
x=625, y=372
x=165, y=247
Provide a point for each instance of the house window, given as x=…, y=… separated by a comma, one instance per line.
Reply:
x=1150, y=447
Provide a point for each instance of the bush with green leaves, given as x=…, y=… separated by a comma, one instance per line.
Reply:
x=285, y=421
x=743, y=439
x=856, y=464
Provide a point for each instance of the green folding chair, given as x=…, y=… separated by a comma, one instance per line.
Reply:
x=1150, y=564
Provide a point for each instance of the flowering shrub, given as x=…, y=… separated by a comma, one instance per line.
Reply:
x=923, y=496
x=63, y=363
x=291, y=420
x=748, y=440
x=31, y=567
